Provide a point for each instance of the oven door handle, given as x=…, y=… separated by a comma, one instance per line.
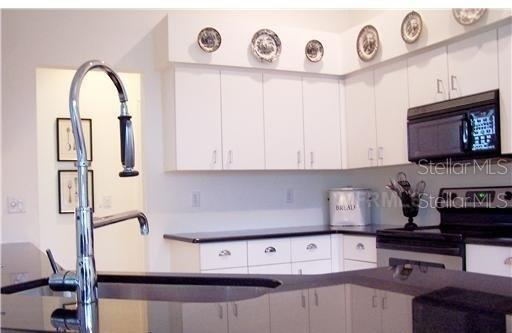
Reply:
x=451, y=251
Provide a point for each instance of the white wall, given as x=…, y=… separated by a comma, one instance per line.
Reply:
x=120, y=246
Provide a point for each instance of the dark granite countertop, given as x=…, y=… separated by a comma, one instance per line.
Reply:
x=146, y=302
x=223, y=236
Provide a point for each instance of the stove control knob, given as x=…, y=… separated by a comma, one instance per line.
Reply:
x=508, y=195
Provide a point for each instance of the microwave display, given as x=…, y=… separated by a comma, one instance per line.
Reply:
x=483, y=129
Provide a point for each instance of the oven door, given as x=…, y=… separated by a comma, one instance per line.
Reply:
x=438, y=138
x=388, y=257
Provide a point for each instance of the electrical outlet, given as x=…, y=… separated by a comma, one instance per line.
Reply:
x=15, y=206
x=290, y=196
x=196, y=199
x=106, y=202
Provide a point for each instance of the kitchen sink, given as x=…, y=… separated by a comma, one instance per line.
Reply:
x=170, y=288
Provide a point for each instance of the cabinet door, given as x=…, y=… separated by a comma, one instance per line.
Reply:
x=327, y=310
x=198, y=119
x=355, y=265
x=396, y=312
x=391, y=104
x=205, y=317
x=428, y=77
x=494, y=260
x=289, y=312
x=505, y=70
x=363, y=310
x=271, y=269
x=360, y=127
x=284, y=124
x=473, y=64
x=235, y=270
x=249, y=316
x=312, y=267
x=321, y=123
x=242, y=120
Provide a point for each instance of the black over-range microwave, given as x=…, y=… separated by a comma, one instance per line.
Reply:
x=458, y=129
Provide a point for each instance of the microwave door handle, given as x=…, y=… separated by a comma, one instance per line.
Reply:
x=465, y=135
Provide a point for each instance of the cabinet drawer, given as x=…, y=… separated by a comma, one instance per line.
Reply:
x=354, y=265
x=359, y=248
x=311, y=248
x=268, y=251
x=312, y=267
x=223, y=255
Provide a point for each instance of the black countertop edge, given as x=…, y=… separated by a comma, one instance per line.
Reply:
x=506, y=241
x=241, y=235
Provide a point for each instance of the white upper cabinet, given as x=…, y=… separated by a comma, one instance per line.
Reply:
x=505, y=70
x=322, y=131
x=198, y=119
x=242, y=120
x=360, y=123
x=391, y=104
x=428, y=77
x=473, y=64
x=284, y=124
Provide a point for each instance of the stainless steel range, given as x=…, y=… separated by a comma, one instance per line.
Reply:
x=481, y=212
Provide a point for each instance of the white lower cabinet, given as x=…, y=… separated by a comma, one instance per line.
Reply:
x=376, y=311
x=232, y=270
x=204, y=317
x=312, y=267
x=354, y=265
x=271, y=269
x=485, y=259
x=289, y=312
x=249, y=316
x=327, y=310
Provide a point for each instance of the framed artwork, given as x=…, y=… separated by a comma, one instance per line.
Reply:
x=68, y=190
x=66, y=147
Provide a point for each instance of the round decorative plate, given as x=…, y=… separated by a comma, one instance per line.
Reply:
x=266, y=45
x=209, y=39
x=367, y=43
x=314, y=50
x=412, y=25
x=467, y=16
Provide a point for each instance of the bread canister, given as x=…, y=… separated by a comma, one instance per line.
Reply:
x=350, y=206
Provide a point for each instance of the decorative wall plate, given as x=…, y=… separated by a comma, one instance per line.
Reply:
x=266, y=45
x=209, y=39
x=412, y=25
x=367, y=43
x=467, y=16
x=314, y=50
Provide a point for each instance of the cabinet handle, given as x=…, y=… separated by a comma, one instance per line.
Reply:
x=453, y=78
x=439, y=85
x=224, y=253
x=316, y=298
x=230, y=157
x=380, y=153
x=235, y=309
x=360, y=246
x=312, y=158
x=303, y=300
x=214, y=158
x=311, y=246
x=508, y=261
x=384, y=303
x=221, y=311
x=370, y=154
x=270, y=249
x=300, y=271
x=374, y=301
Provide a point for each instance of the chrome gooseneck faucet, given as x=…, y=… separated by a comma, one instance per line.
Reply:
x=84, y=280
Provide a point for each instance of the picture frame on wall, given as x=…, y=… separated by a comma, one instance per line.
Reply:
x=68, y=190
x=66, y=147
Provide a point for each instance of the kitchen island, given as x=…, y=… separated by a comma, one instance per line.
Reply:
x=397, y=299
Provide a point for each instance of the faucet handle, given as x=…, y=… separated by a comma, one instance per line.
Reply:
x=55, y=267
